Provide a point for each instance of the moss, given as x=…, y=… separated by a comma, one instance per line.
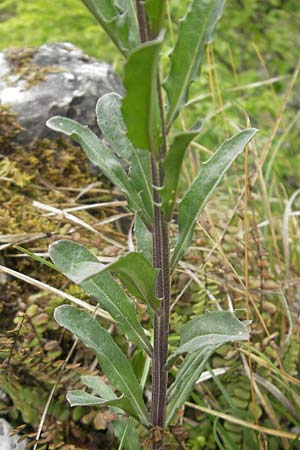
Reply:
x=21, y=64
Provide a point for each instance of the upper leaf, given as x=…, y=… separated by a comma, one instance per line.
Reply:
x=210, y=175
x=111, y=124
x=172, y=166
x=196, y=30
x=70, y=258
x=119, y=21
x=112, y=360
x=99, y=155
x=140, y=105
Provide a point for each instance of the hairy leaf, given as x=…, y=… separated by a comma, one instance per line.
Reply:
x=140, y=105
x=113, y=362
x=69, y=257
x=82, y=398
x=210, y=175
x=186, y=377
x=213, y=328
x=143, y=238
x=118, y=21
x=172, y=166
x=111, y=124
x=196, y=30
x=98, y=154
x=200, y=337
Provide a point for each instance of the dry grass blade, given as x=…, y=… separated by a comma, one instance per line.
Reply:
x=46, y=287
x=244, y=423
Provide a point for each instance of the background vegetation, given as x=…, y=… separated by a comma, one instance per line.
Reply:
x=251, y=74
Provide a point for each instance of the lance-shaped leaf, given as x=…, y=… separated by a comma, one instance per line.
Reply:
x=200, y=337
x=82, y=398
x=210, y=175
x=134, y=270
x=143, y=238
x=130, y=440
x=196, y=30
x=155, y=11
x=70, y=257
x=112, y=125
x=186, y=377
x=140, y=105
x=99, y=155
x=118, y=21
x=112, y=360
x=172, y=166
x=213, y=328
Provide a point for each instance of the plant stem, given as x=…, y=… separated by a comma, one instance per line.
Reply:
x=160, y=239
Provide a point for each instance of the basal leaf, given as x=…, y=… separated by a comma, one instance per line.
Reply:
x=112, y=360
x=196, y=30
x=118, y=21
x=82, y=398
x=140, y=105
x=120, y=424
x=172, y=166
x=186, y=377
x=71, y=259
x=200, y=337
x=111, y=124
x=210, y=175
x=155, y=11
x=99, y=155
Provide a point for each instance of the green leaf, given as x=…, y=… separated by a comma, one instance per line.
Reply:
x=99, y=155
x=172, y=166
x=111, y=124
x=118, y=21
x=143, y=238
x=124, y=429
x=210, y=175
x=155, y=11
x=134, y=270
x=186, y=377
x=196, y=30
x=213, y=328
x=113, y=362
x=200, y=337
x=67, y=256
x=140, y=105
x=82, y=398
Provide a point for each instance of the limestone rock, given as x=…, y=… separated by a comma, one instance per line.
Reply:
x=8, y=442
x=54, y=79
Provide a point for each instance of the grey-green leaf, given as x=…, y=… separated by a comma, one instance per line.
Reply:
x=172, y=166
x=143, y=238
x=196, y=30
x=82, y=398
x=98, y=154
x=186, y=377
x=140, y=104
x=210, y=175
x=112, y=125
x=118, y=21
x=112, y=360
x=213, y=328
x=200, y=337
x=70, y=258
